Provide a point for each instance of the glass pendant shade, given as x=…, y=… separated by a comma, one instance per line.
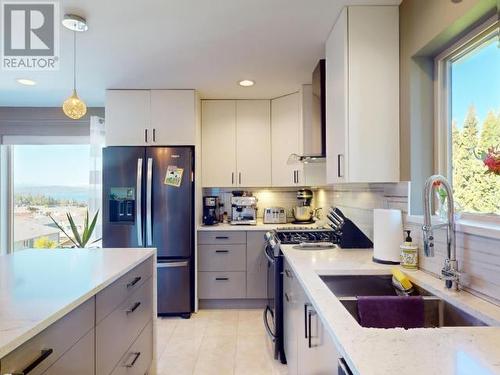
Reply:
x=74, y=107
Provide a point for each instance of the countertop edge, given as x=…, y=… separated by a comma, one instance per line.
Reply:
x=45, y=323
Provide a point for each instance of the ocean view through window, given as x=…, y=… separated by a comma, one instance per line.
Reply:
x=48, y=180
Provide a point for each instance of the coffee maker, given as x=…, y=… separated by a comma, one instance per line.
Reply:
x=211, y=215
x=243, y=210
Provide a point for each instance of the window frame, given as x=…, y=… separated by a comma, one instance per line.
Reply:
x=442, y=102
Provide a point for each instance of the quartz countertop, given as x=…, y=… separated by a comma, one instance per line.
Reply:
x=373, y=351
x=247, y=228
x=38, y=287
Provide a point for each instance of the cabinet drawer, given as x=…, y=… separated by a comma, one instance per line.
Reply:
x=221, y=285
x=108, y=299
x=137, y=360
x=118, y=330
x=79, y=360
x=222, y=257
x=51, y=343
x=222, y=237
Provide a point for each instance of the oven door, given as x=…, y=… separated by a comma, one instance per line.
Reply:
x=269, y=311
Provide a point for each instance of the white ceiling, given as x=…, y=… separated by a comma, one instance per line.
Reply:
x=207, y=45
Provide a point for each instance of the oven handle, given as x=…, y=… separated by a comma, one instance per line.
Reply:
x=268, y=311
x=269, y=258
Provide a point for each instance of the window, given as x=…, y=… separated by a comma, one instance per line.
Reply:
x=469, y=108
x=48, y=181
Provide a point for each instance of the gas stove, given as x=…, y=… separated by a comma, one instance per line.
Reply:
x=297, y=235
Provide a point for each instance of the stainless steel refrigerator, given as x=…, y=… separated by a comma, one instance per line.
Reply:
x=148, y=201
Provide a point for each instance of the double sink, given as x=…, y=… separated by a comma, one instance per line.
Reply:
x=438, y=312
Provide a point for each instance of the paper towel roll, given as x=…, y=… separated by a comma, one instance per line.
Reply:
x=387, y=235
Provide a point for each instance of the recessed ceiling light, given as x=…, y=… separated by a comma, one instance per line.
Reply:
x=246, y=83
x=75, y=23
x=26, y=82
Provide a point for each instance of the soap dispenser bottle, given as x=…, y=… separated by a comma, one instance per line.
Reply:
x=409, y=253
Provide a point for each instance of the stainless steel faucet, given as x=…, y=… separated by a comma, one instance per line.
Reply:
x=450, y=271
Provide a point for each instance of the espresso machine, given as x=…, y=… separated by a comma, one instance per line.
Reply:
x=211, y=215
x=243, y=210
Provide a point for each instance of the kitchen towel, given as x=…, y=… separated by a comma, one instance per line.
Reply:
x=391, y=311
x=387, y=235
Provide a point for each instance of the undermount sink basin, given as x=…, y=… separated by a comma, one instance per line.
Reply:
x=438, y=313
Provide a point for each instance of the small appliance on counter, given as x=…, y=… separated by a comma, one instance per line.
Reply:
x=211, y=214
x=303, y=213
x=274, y=215
x=243, y=210
x=349, y=235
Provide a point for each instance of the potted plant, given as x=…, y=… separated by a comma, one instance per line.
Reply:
x=79, y=240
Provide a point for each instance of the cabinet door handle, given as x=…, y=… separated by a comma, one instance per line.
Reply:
x=294, y=177
x=239, y=178
x=133, y=308
x=135, y=357
x=232, y=178
x=44, y=354
x=221, y=278
x=222, y=251
x=288, y=273
x=340, y=159
x=309, y=314
x=287, y=297
x=306, y=306
x=134, y=281
x=146, y=135
x=154, y=134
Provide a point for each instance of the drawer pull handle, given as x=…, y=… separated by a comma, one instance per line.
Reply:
x=222, y=251
x=133, y=282
x=44, y=354
x=133, y=308
x=221, y=237
x=286, y=297
x=135, y=356
x=222, y=278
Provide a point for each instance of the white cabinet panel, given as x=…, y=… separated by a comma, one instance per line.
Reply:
x=373, y=94
x=253, y=142
x=362, y=96
x=286, y=140
x=336, y=100
x=218, y=143
x=128, y=117
x=173, y=117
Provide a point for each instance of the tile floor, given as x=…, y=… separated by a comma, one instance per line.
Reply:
x=216, y=342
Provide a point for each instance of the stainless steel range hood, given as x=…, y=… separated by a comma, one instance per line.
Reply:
x=314, y=119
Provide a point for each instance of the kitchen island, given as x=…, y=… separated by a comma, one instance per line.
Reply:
x=373, y=351
x=61, y=309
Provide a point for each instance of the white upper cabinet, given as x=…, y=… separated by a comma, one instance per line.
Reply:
x=236, y=143
x=127, y=117
x=286, y=139
x=173, y=117
x=150, y=117
x=362, y=96
x=253, y=142
x=218, y=143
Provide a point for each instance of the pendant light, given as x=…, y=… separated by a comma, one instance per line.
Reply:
x=74, y=107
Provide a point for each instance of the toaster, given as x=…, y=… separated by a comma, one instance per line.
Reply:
x=274, y=215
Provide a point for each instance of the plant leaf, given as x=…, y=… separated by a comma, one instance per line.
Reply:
x=74, y=229
x=85, y=228
x=92, y=227
x=62, y=230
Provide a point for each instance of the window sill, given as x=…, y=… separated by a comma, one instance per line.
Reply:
x=468, y=226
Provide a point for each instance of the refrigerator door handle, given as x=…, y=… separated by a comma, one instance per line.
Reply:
x=172, y=264
x=138, y=213
x=149, y=192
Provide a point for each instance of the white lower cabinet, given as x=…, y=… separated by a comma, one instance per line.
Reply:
x=308, y=347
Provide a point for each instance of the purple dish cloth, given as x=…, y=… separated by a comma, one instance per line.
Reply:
x=391, y=311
